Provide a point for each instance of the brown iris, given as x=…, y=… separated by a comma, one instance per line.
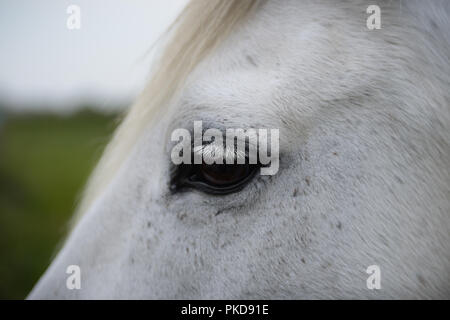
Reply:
x=222, y=174
x=218, y=179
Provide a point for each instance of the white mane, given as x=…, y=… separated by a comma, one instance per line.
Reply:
x=201, y=26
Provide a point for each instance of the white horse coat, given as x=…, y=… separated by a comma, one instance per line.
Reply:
x=364, y=174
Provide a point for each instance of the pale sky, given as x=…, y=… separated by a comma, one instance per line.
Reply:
x=44, y=64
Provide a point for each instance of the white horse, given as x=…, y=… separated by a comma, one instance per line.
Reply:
x=364, y=175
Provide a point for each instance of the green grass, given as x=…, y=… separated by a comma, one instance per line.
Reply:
x=44, y=163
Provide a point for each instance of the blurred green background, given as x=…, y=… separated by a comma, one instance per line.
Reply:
x=51, y=79
x=45, y=160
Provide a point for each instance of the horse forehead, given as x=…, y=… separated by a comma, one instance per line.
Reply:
x=274, y=69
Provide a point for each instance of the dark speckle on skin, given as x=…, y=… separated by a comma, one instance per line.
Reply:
x=339, y=225
x=303, y=260
x=421, y=280
x=399, y=180
x=251, y=60
x=295, y=192
x=181, y=216
x=149, y=224
x=384, y=240
x=434, y=25
x=308, y=182
x=335, y=153
x=139, y=191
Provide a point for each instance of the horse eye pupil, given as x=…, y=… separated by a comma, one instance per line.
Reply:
x=218, y=179
x=223, y=174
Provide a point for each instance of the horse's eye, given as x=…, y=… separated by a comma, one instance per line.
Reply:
x=213, y=178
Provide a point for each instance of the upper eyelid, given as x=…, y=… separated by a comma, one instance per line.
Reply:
x=223, y=152
x=249, y=143
x=223, y=130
